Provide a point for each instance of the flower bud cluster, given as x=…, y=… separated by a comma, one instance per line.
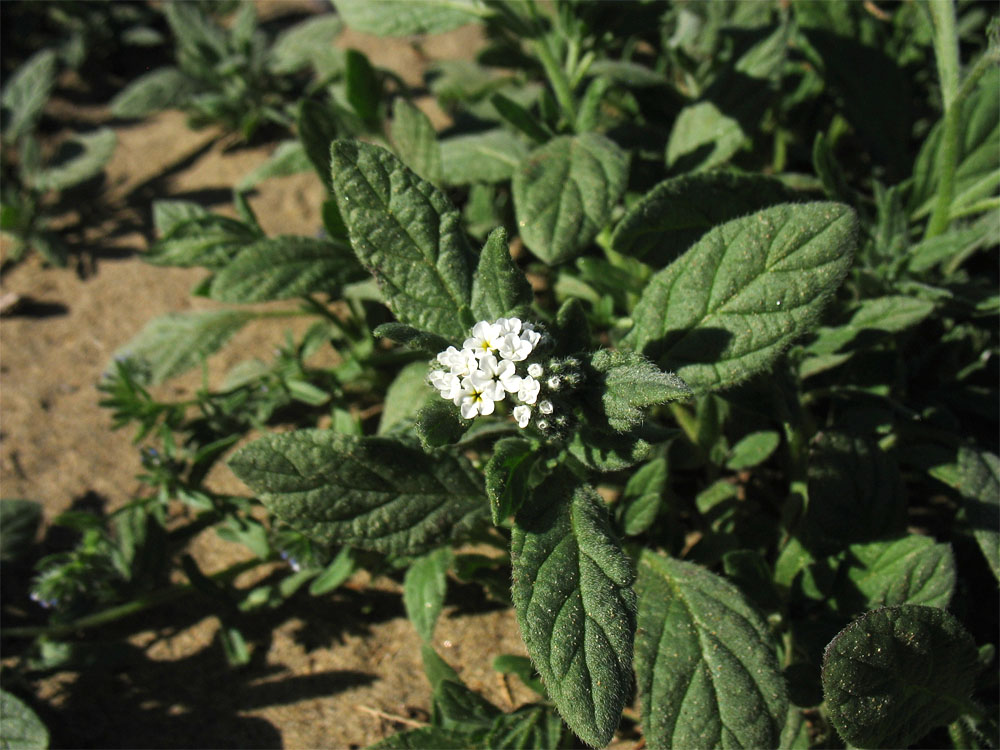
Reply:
x=492, y=364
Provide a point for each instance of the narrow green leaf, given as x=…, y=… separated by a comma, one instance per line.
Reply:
x=415, y=140
x=424, y=588
x=895, y=673
x=20, y=727
x=626, y=383
x=285, y=267
x=677, y=212
x=176, y=342
x=363, y=87
x=409, y=235
x=481, y=157
x=643, y=495
x=527, y=728
x=370, y=493
x=889, y=314
x=206, y=240
x=564, y=193
x=163, y=88
x=910, y=570
x=309, y=42
x=288, y=158
x=412, y=337
x=499, y=288
x=602, y=451
x=705, y=664
x=339, y=570
x=19, y=520
x=404, y=17
x=507, y=474
x=727, y=307
x=752, y=450
x=574, y=604
x=79, y=158
x=26, y=93
x=520, y=118
x=168, y=214
x=317, y=126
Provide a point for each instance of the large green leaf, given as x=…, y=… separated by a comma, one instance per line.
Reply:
x=481, y=157
x=668, y=219
x=896, y=673
x=564, y=193
x=415, y=141
x=499, y=288
x=574, y=603
x=405, y=17
x=26, y=92
x=409, y=235
x=705, y=665
x=20, y=727
x=285, y=267
x=910, y=570
x=371, y=493
x=174, y=343
x=78, y=158
x=727, y=307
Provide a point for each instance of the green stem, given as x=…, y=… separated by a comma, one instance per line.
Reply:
x=942, y=13
x=686, y=420
x=144, y=602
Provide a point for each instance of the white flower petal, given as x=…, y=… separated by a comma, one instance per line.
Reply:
x=523, y=415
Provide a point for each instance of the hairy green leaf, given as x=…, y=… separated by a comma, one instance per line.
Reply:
x=26, y=92
x=603, y=451
x=309, y=42
x=564, y=193
x=78, y=158
x=206, y=240
x=285, y=267
x=431, y=738
x=415, y=140
x=507, y=474
x=910, y=570
x=677, y=212
x=174, y=343
x=363, y=87
x=424, y=588
x=403, y=17
x=370, y=493
x=727, y=307
x=705, y=665
x=574, y=604
x=169, y=214
x=409, y=235
x=159, y=89
x=412, y=337
x=405, y=396
x=753, y=449
x=643, y=495
x=499, y=288
x=481, y=157
x=318, y=125
x=527, y=728
x=626, y=383
x=978, y=480
x=288, y=158
x=895, y=673
x=20, y=727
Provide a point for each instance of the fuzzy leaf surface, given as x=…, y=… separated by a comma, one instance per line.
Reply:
x=481, y=157
x=728, y=306
x=285, y=267
x=162, y=88
x=499, y=288
x=978, y=480
x=20, y=726
x=206, y=240
x=706, y=669
x=564, y=193
x=629, y=383
x=415, y=140
x=575, y=605
x=677, y=212
x=79, y=158
x=371, y=493
x=910, y=570
x=26, y=92
x=507, y=474
x=405, y=396
x=176, y=342
x=404, y=17
x=895, y=673
x=409, y=235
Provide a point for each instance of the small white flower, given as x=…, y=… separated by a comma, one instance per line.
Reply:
x=554, y=383
x=477, y=396
x=509, y=325
x=514, y=348
x=545, y=407
x=448, y=384
x=529, y=389
x=529, y=334
x=535, y=370
x=502, y=372
x=485, y=338
x=461, y=363
x=522, y=414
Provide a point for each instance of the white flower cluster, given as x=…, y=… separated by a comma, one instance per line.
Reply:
x=485, y=370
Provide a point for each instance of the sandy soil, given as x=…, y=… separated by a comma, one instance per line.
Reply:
x=325, y=672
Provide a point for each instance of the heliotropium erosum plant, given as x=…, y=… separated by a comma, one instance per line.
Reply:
x=529, y=411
